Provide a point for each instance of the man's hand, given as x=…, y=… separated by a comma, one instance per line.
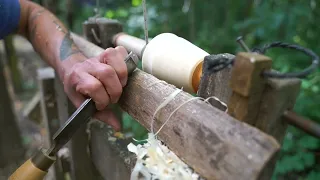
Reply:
x=101, y=78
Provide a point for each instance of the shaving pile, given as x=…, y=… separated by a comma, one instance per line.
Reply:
x=156, y=161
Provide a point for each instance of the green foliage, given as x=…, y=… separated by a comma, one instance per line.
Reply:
x=130, y=125
x=298, y=156
x=136, y=2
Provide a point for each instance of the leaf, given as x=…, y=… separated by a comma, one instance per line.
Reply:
x=306, y=158
x=314, y=175
x=127, y=121
x=286, y=164
x=309, y=142
x=109, y=14
x=136, y=2
x=122, y=13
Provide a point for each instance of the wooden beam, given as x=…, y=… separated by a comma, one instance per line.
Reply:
x=216, y=145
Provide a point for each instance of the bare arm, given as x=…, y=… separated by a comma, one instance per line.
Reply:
x=100, y=78
x=48, y=35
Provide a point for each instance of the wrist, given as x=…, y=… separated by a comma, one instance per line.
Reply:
x=66, y=64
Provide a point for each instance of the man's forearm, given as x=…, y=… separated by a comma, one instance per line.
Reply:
x=49, y=37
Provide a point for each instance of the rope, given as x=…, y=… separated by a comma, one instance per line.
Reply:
x=219, y=64
x=145, y=20
x=301, y=74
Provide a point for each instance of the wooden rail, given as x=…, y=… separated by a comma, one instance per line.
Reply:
x=216, y=145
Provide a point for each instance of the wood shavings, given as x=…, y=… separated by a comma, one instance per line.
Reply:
x=156, y=161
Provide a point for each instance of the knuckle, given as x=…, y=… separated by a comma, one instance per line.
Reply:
x=110, y=51
x=122, y=50
x=107, y=71
x=94, y=86
x=87, y=87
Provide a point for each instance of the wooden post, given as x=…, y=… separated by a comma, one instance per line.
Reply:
x=213, y=143
x=279, y=96
x=101, y=31
x=91, y=31
x=107, y=29
x=80, y=162
x=261, y=101
x=12, y=60
x=49, y=112
x=11, y=148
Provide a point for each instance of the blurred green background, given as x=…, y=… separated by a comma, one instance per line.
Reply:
x=214, y=26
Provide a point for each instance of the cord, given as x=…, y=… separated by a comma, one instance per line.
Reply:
x=216, y=65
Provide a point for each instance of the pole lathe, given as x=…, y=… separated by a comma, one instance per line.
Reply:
x=137, y=46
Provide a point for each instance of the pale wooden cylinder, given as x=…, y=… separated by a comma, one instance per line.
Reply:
x=174, y=60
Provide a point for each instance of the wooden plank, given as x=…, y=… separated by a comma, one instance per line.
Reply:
x=216, y=84
x=247, y=86
x=216, y=145
x=32, y=110
x=81, y=165
x=49, y=112
x=280, y=95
